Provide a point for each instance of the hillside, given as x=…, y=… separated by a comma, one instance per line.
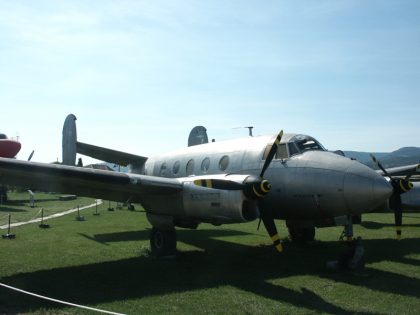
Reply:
x=400, y=157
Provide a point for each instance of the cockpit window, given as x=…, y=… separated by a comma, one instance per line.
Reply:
x=308, y=145
x=296, y=145
x=305, y=143
x=280, y=154
x=292, y=149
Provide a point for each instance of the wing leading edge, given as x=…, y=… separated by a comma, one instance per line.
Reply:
x=411, y=170
x=85, y=182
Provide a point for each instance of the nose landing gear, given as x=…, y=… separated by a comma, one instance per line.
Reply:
x=353, y=258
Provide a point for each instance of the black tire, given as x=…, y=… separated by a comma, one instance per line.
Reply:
x=163, y=242
x=302, y=235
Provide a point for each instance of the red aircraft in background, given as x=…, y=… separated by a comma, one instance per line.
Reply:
x=8, y=148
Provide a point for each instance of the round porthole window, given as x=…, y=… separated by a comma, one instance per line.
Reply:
x=205, y=165
x=175, y=167
x=224, y=163
x=163, y=169
x=190, y=167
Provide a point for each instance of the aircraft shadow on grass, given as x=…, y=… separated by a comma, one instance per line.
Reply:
x=245, y=267
x=5, y=209
x=377, y=225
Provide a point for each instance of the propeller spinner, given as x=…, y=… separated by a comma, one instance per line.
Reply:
x=254, y=187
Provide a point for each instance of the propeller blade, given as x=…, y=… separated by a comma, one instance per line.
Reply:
x=381, y=167
x=219, y=184
x=395, y=204
x=399, y=186
x=270, y=226
x=31, y=155
x=272, y=153
x=398, y=222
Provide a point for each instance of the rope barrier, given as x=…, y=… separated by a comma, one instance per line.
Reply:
x=4, y=217
x=58, y=301
x=35, y=215
x=56, y=215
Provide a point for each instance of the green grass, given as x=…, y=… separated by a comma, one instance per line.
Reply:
x=19, y=209
x=104, y=262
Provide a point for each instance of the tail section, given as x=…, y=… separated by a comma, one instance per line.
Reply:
x=198, y=135
x=71, y=146
x=69, y=140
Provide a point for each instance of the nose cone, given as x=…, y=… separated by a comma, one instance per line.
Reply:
x=364, y=189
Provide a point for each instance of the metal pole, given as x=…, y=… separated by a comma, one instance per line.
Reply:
x=8, y=229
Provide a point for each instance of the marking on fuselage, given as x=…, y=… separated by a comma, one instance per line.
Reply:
x=205, y=197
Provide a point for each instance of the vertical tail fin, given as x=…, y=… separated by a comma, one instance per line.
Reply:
x=198, y=135
x=69, y=140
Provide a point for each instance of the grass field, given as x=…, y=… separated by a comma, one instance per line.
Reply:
x=104, y=262
x=19, y=208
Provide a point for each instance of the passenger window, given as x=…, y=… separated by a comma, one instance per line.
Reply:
x=162, y=169
x=175, y=167
x=190, y=167
x=224, y=163
x=205, y=165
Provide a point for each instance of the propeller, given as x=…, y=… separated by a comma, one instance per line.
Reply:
x=254, y=187
x=400, y=186
x=31, y=155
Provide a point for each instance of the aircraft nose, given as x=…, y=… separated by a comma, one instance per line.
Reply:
x=364, y=189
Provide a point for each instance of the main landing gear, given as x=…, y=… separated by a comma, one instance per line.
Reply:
x=163, y=242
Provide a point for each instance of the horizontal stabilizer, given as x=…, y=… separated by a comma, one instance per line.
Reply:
x=109, y=155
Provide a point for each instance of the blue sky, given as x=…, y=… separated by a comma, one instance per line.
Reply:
x=140, y=74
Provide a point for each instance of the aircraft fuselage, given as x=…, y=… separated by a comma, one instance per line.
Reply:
x=308, y=182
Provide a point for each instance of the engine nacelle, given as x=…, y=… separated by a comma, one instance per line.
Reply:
x=411, y=199
x=218, y=206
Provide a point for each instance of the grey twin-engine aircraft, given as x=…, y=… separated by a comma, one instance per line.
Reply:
x=287, y=176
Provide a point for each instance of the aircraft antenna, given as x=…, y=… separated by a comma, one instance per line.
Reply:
x=249, y=129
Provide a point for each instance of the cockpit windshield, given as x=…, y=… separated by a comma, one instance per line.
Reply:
x=302, y=143
x=296, y=144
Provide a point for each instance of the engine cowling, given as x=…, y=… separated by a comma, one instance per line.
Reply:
x=218, y=206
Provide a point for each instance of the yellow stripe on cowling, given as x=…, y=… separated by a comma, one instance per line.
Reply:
x=263, y=188
x=279, y=247
x=256, y=192
x=209, y=183
x=404, y=188
x=204, y=183
x=275, y=238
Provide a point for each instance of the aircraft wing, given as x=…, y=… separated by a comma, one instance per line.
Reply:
x=403, y=171
x=85, y=182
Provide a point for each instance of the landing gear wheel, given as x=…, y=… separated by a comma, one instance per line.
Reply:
x=302, y=235
x=163, y=242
